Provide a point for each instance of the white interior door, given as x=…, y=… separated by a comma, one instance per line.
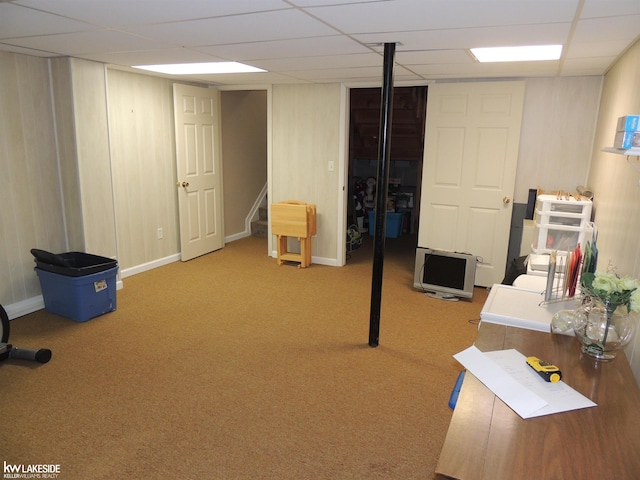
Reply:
x=471, y=153
x=198, y=158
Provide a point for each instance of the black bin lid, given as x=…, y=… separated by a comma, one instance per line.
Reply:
x=72, y=264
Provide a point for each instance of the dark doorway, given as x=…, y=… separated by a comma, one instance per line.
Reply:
x=407, y=148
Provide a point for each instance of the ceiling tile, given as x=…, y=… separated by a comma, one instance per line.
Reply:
x=347, y=73
x=312, y=63
x=285, y=24
x=152, y=57
x=25, y=51
x=490, y=70
x=116, y=13
x=586, y=66
x=87, y=42
x=433, y=57
x=473, y=37
x=600, y=8
x=16, y=21
x=404, y=15
x=301, y=47
x=605, y=48
x=625, y=29
x=255, y=79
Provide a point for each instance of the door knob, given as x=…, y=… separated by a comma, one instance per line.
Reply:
x=183, y=184
x=506, y=200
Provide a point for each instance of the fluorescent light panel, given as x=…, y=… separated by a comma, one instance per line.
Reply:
x=201, y=68
x=517, y=54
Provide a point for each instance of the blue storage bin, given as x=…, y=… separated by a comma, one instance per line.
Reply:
x=79, y=298
x=394, y=224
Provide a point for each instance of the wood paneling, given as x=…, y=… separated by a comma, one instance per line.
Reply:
x=94, y=163
x=615, y=183
x=143, y=165
x=306, y=136
x=62, y=91
x=31, y=213
x=557, y=132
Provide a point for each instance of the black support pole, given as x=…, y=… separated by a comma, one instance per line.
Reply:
x=384, y=154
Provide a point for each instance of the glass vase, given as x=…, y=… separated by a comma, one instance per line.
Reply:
x=562, y=322
x=602, y=329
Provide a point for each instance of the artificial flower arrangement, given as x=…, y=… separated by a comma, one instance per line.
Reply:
x=612, y=290
x=601, y=330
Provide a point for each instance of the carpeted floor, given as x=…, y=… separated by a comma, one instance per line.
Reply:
x=230, y=367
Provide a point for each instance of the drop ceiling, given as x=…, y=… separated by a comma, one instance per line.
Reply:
x=325, y=41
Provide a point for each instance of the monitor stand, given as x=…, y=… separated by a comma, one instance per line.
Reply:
x=443, y=296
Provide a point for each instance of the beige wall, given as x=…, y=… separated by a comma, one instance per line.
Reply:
x=306, y=136
x=615, y=182
x=79, y=96
x=143, y=164
x=244, y=154
x=62, y=97
x=144, y=169
x=558, y=124
x=93, y=165
x=30, y=195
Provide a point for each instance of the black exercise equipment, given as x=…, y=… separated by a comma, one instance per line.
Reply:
x=8, y=351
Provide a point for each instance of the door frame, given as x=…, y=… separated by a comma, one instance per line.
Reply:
x=344, y=160
x=268, y=89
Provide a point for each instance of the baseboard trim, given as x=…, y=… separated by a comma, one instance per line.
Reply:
x=33, y=304
x=24, y=307
x=128, y=272
x=237, y=236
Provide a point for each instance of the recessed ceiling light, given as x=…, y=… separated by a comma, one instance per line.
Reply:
x=517, y=54
x=201, y=68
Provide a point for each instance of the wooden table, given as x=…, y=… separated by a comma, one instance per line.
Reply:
x=489, y=441
x=293, y=218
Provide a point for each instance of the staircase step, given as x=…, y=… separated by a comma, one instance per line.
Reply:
x=263, y=213
x=260, y=228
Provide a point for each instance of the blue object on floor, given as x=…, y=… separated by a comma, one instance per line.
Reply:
x=453, y=399
x=393, y=227
x=79, y=298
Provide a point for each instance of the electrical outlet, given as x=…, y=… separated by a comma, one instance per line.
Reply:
x=160, y=234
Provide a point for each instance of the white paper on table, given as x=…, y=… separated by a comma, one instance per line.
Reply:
x=507, y=375
x=559, y=396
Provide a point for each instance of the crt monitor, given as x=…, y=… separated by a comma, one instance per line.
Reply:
x=443, y=274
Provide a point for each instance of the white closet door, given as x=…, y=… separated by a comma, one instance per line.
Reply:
x=471, y=153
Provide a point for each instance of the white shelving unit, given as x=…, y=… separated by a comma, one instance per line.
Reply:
x=562, y=222
x=631, y=152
